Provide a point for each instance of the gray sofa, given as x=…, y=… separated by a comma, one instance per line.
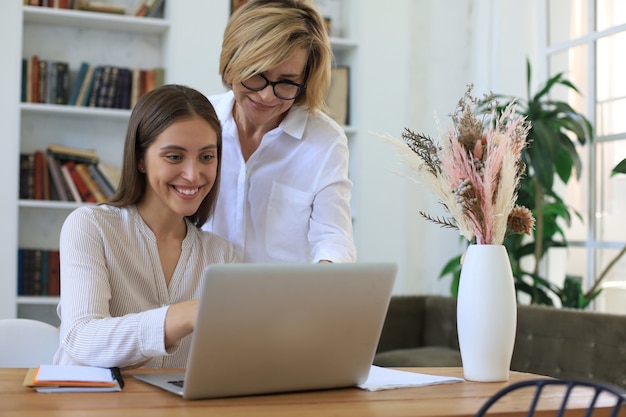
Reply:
x=421, y=331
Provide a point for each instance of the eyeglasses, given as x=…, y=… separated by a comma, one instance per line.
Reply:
x=284, y=90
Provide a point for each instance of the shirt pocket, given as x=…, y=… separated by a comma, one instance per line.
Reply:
x=288, y=217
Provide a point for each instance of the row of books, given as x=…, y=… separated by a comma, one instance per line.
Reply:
x=147, y=8
x=45, y=81
x=66, y=174
x=38, y=272
x=107, y=86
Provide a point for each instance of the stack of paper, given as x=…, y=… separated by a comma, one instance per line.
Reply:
x=51, y=378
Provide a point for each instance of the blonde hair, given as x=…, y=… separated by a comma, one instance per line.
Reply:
x=262, y=34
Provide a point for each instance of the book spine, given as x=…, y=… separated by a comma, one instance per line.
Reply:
x=57, y=180
x=24, y=85
x=43, y=272
x=20, y=271
x=111, y=88
x=38, y=177
x=85, y=88
x=85, y=192
x=51, y=82
x=135, y=88
x=83, y=171
x=54, y=273
x=42, y=83
x=95, y=88
x=103, y=90
x=77, y=84
x=62, y=156
x=99, y=179
x=27, y=176
x=63, y=83
x=110, y=174
x=70, y=183
x=35, y=283
x=34, y=79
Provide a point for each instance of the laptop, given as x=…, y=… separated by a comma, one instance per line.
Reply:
x=270, y=328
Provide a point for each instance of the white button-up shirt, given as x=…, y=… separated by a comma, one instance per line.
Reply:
x=290, y=202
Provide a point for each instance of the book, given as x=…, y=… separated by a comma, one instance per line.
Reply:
x=84, y=173
x=102, y=182
x=111, y=88
x=63, y=152
x=154, y=8
x=54, y=273
x=26, y=80
x=135, y=86
x=34, y=79
x=95, y=86
x=103, y=88
x=337, y=99
x=42, y=83
x=43, y=272
x=121, y=99
x=20, y=271
x=40, y=177
x=56, y=177
x=78, y=82
x=70, y=183
x=85, y=193
x=101, y=7
x=111, y=174
x=141, y=9
x=51, y=82
x=24, y=85
x=27, y=176
x=85, y=87
x=159, y=77
x=63, y=82
x=73, y=378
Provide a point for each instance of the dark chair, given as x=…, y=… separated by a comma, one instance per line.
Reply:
x=599, y=388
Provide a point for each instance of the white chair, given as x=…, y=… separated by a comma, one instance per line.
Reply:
x=26, y=343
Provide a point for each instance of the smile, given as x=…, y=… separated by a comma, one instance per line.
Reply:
x=187, y=191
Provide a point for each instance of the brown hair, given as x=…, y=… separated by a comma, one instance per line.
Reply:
x=154, y=112
x=262, y=34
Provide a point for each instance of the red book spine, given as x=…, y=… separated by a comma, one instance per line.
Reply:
x=84, y=191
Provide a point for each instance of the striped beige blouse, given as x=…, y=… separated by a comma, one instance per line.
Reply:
x=113, y=292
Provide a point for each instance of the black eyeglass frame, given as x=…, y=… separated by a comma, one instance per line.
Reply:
x=301, y=87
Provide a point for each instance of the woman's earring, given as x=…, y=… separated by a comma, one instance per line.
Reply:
x=141, y=169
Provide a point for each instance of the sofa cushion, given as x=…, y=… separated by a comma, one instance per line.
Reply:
x=422, y=356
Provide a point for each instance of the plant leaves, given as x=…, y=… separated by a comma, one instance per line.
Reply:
x=619, y=168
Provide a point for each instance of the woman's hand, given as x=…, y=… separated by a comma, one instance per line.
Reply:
x=180, y=321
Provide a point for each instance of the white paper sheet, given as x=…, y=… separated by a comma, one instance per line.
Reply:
x=385, y=378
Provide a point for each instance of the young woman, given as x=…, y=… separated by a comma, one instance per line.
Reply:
x=285, y=189
x=131, y=268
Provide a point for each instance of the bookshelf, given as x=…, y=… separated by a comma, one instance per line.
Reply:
x=76, y=36
x=98, y=38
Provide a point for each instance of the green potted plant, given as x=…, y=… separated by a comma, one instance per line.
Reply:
x=550, y=155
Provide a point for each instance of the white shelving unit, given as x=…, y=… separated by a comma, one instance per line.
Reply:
x=76, y=36
x=97, y=38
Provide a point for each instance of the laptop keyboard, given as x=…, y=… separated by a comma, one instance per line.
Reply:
x=178, y=383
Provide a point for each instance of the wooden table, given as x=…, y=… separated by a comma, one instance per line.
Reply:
x=140, y=399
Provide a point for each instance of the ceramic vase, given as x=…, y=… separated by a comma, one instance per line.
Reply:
x=486, y=313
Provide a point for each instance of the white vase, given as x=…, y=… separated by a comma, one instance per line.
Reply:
x=486, y=313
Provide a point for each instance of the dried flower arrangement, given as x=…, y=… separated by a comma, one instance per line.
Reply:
x=475, y=171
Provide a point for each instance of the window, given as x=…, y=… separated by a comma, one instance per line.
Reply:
x=585, y=39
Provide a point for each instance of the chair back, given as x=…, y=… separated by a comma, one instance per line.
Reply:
x=26, y=343
x=614, y=395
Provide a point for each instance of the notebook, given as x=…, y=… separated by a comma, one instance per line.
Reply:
x=269, y=328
